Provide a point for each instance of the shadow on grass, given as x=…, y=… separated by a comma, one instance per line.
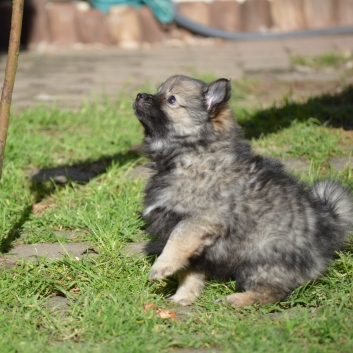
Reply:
x=47, y=181
x=336, y=110
x=15, y=231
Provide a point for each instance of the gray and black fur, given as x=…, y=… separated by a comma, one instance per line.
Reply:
x=217, y=210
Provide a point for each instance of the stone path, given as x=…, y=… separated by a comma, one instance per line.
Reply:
x=54, y=251
x=67, y=77
x=47, y=251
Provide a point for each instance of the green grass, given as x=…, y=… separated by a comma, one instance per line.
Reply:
x=106, y=294
x=330, y=59
x=304, y=139
x=333, y=110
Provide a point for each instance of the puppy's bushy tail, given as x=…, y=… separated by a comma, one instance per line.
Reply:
x=337, y=205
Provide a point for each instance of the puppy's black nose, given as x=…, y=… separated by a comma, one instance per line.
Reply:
x=141, y=96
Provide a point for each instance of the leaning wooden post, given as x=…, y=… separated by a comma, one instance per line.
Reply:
x=10, y=74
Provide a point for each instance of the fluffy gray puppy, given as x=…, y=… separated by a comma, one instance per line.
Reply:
x=217, y=210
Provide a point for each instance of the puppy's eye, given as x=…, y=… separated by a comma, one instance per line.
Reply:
x=171, y=100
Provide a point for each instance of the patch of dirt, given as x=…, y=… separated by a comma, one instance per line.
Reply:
x=346, y=138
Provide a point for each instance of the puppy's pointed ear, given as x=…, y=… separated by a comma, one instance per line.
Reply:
x=216, y=93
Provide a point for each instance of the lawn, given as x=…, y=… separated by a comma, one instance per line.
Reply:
x=106, y=294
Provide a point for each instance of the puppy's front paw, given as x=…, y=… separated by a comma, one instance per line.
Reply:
x=182, y=299
x=160, y=270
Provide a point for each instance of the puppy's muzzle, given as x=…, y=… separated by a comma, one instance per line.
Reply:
x=140, y=100
x=143, y=102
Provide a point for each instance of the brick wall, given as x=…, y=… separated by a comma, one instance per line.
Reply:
x=66, y=23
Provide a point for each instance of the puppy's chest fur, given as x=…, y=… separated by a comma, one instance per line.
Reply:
x=219, y=186
x=237, y=193
x=193, y=184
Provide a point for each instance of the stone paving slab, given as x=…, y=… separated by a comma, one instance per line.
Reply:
x=59, y=306
x=57, y=303
x=67, y=77
x=297, y=165
x=54, y=251
x=341, y=163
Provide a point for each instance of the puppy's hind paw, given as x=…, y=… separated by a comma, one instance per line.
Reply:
x=250, y=297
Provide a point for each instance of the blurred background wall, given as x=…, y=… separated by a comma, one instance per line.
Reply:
x=63, y=23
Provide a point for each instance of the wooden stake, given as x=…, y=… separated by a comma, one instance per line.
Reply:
x=10, y=74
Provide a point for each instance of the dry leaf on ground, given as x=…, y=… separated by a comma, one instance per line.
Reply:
x=162, y=313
